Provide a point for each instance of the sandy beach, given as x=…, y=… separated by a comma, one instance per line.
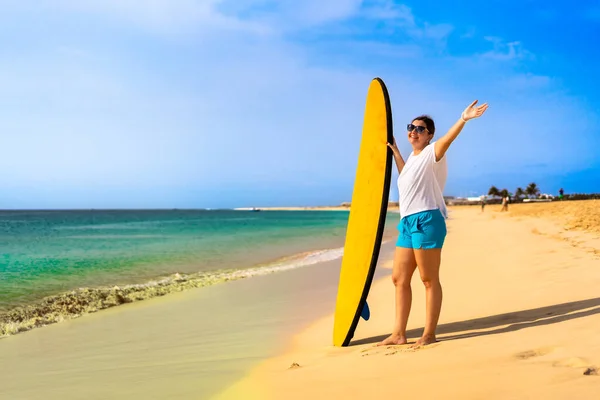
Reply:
x=202, y=200
x=519, y=321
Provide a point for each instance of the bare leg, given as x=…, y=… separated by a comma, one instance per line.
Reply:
x=429, y=268
x=404, y=267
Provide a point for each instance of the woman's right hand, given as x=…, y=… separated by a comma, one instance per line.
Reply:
x=397, y=157
x=393, y=146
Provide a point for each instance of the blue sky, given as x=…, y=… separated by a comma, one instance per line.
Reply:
x=233, y=103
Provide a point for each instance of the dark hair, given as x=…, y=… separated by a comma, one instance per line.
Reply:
x=428, y=122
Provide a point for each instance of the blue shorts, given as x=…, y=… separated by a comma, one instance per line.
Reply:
x=423, y=230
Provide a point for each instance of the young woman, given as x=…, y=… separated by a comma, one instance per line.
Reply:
x=423, y=214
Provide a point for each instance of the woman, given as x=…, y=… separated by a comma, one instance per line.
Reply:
x=422, y=225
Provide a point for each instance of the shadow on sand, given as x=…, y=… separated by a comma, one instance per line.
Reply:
x=495, y=324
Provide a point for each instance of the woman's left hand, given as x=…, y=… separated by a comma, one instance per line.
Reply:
x=474, y=112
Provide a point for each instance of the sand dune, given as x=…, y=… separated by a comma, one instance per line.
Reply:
x=520, y=320
x=581, y=215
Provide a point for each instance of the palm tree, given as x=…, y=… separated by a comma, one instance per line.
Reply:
x=532, y=190
x=520, y=192
x=504, y=193
x=493, y=191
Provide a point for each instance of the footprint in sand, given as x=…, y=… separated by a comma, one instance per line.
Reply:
x=570, y=362
x=381, y=349
x=365, y=352
x=425, y=347
x=394, y=349
x=526, y=355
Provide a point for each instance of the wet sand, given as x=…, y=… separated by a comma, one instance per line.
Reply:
x=187, y=345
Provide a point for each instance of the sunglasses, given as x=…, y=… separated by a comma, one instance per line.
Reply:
x=419, y=129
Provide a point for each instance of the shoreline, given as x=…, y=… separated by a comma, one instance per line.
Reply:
x=79, y=302
x=26, y=310
x=517, y=345
x=191, y=344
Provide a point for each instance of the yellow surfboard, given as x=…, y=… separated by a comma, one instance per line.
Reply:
x=367, y=213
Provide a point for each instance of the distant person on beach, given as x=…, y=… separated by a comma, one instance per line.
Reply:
x=561, y=193
x=504, y=204
x=422, y=227
x=482, y=203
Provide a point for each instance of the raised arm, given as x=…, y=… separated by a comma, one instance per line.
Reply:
x=397, y=156
x=443, y=143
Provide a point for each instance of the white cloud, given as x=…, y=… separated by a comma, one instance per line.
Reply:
x=401, y=16
x=437, y=31
x=506, y=51
x=162, y=16
x=286, y=16
x=318, y=11
x=389, y=10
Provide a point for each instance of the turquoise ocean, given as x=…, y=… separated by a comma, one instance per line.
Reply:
x=60, y=264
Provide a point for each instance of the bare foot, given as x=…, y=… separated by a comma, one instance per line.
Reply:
x=393, y=339
x=424, y=341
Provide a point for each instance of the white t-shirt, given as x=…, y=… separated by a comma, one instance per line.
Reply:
x=421, y=183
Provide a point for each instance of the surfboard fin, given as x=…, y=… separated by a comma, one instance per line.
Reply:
x=365, y=313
